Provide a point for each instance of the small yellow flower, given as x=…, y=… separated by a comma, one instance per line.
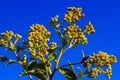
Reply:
x=17, y=36
x=33, y=53
x=89, y=28
x=12, y=47
x=2, y=42
x=24, y=60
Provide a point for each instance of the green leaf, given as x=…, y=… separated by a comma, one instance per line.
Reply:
x=31, y=65
x=64, y=41
x=83, y=54
x=36, y=65
x=58, y=32
x=10, y=62
x=71, y=66
x=3, y=58
x=80, y=75
x=36, y=73
x=69, y=74
x=51, y=57
x=48, y=70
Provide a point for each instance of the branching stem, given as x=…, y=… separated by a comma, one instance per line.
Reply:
x=76, y=63
x=56, y=64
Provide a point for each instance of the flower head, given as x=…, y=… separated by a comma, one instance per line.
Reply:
x=37, y=40
x=75, y=35
x=73, y=14
x=55, y=22
x=96, y=62
x=89, y=28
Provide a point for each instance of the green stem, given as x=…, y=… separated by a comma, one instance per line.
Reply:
x=76, y=63
x=58, y=59
x=56, y=64
x=51, y=76
x=30, y=77
x=14, y=52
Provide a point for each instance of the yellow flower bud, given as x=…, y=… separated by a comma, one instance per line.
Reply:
x=24, y=60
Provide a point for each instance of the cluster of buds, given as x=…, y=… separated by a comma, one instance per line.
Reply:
x=3, y=42
x=53, y=45
x=75, y=35
x=42, y=49
x=89, y=28
x=37, y=40
x=38, y=33
x=73, y=14
x=7, y=39
x=54, y=21
x=96, y=62
x=17, y=36
x=7, y=35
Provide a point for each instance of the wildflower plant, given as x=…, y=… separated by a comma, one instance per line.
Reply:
x=41, y=52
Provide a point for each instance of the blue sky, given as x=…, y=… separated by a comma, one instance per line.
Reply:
x=18, y=15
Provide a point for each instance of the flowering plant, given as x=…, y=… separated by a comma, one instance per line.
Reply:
x=42, y=52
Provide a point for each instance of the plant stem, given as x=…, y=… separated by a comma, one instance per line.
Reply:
x=30, y=77
x=51, y=76
x=14, y=52
x=56, y=64
x=58, y=59
x=76, y=63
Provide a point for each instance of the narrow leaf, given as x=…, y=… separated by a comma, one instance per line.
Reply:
x=10, y=62
x=36, y=73
x=64, y=41
x=36, y=65
x=31, y=65
x=69, y=74
x=83, y=54
x=71, y=66
x=58, y=32
x=51, y=57
x=3, y=58
x=80, y=75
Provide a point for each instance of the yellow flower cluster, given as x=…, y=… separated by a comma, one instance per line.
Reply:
x=3, y=42
x=97, y=61
x=89, y=28
x=104, y=59
x=73, y=14
x=75, y=35
x=39, y=51
x=37, y=37
x=7, y=35
x=7, y=39
x=54, y=21
x=38, y=32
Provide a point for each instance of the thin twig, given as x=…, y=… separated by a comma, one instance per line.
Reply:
x=76, y=63
x=30, y=77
